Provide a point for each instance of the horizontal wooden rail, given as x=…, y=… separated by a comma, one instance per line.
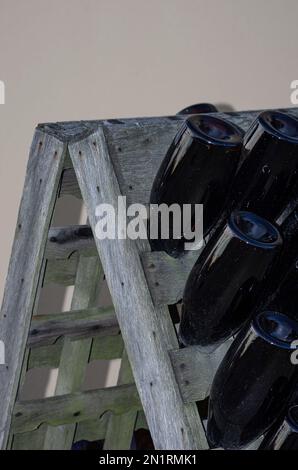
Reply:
x=74, y=407
x=195, y=370
x=64, y=241
x=136, y=146
x=166, y=276
x=45, y=329
x=103, y=348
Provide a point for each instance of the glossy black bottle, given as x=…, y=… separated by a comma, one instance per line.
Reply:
x=198, y=169
x=285, y=297
x=199, y=108
x=281, y=292
x=285, y=435
x=253, y=384
x=266, y=182
x=223, y=286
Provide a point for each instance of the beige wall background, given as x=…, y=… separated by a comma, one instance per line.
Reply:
x=81, y=59
x=92, y=59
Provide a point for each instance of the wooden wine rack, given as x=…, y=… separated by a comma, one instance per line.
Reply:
x=98, y=161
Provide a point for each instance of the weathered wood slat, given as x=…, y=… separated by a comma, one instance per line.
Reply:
x=74, y=407
x=41, y=184
x=31, y=440
x=166, y=276
x=195, y=370
x=92, y=429
x=61, y=271
x=105, y=348
x=64, y=241
x=137, y=147
x=173, y=424
x=75, y=354
x=45, y=329
x=120, y=428
x=95, y=429
x=69, y=185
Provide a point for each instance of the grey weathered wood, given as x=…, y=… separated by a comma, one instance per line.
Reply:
x=166, y=276
x=173, y=424
x=120, y=428
x=75, y=354
x=30, y=440
x=45, y=329
x=41, y=184
x=137, y=146
x=195, y=370
x=61, y=271
x=74, y=407
x=104, y=348
x=64, y=241
x=93, y=429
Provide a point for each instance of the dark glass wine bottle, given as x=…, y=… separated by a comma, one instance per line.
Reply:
x=223, y=286
x=266, y=182
x=284, y=436
x=281, y=292
x=254, y=382
x=199, y=108
x=198, y=169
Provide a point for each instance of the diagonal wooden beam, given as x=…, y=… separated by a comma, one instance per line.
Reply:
x=147, y=331
x=40, y=190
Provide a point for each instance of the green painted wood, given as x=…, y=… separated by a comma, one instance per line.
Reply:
x=61, y=271
x=31, y=440
x=195, y=370
x=74, y=407
x=105, y=348
x=93, y=429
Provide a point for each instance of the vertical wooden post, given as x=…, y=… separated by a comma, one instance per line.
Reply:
x=75, y=354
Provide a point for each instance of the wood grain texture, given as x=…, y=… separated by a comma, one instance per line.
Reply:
x=91, y=322
x=137, y=146
x=64, y=241
x=74, y=407
x=103, y=348
x=41, y=185
x=166, y=276
x=173, y=424
x=93, y=429
x=61, y=271
x=120, y=428
x=75, y=354
x=195, y=370
x=130, y=148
